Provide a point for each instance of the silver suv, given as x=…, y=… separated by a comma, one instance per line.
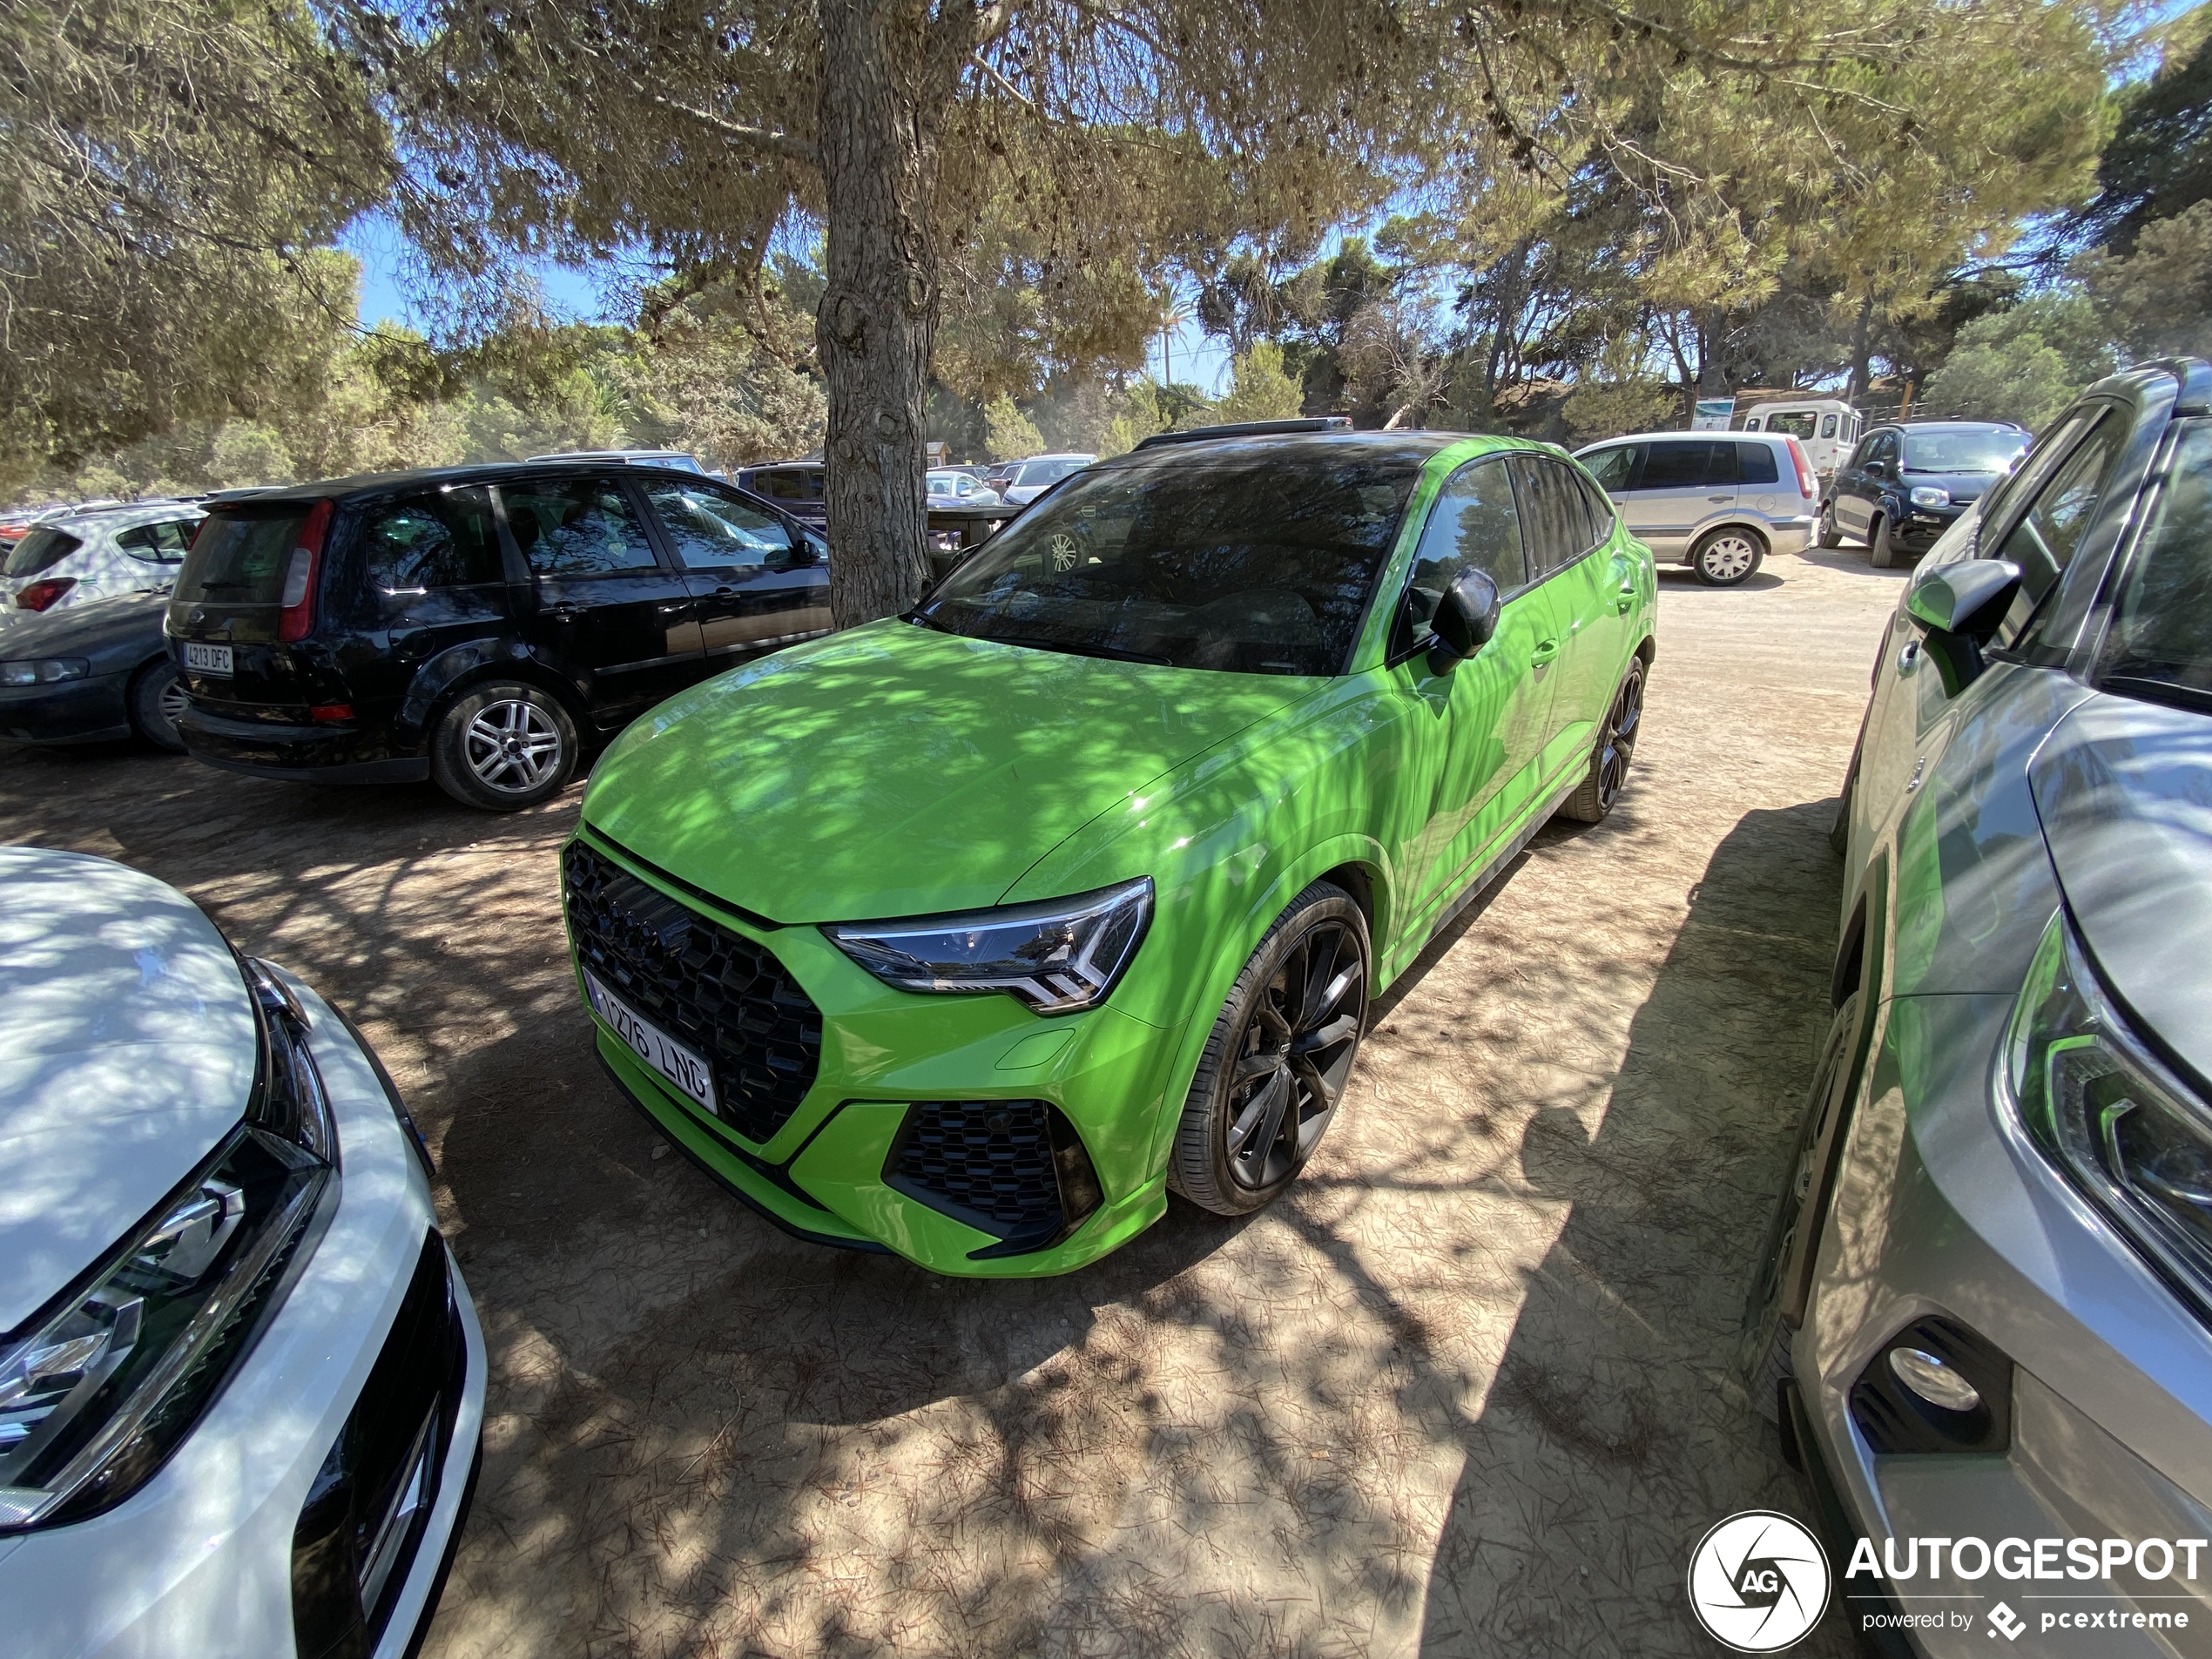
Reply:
x=1718, y=502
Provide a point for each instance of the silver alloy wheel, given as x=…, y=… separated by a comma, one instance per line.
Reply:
x=173, y=703
x=1729, y=557
x=512, y=745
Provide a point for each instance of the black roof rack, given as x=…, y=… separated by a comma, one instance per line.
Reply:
x=1250, y=429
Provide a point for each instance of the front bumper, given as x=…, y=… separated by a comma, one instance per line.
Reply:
x=1918, y=528
x=1944, y=1210
x=350, y=754
x=981, y=1076
x=202, y=1561
x=87, y=711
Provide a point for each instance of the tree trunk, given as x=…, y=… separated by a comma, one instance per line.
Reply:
x=1862, y=349
x=877, y=134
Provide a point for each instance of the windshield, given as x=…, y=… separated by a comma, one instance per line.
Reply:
x=2161, y=643
x=1254, y=564
x=1963, y=451
x=40, y=551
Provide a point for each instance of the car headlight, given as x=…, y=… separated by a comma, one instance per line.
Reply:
x=1929, y=496
x=44, y=672
x=1059, y=957
x=2124, y=1129
x=106, y=1380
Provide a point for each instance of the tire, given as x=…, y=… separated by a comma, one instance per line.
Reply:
x=154, y=701
x=1727, y=556
x=1839, y=832
x=1830, y=536
x=1276, y=1063
x=503, y=745
x=1881, y=552
x=1616, y=746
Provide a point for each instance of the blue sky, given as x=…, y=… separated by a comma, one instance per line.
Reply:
x=573, y=295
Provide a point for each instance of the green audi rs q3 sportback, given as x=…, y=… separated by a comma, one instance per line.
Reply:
x=969, y=933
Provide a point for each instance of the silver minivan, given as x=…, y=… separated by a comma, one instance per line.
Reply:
x=1717, y=502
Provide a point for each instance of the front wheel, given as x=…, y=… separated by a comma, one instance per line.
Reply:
x=157, y=701
x=503, y=746
x=1616, y=746
x=1727, y=557
x=1278, y=1058
x=1881, y=552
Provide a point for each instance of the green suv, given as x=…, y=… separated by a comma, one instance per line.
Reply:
x=969, y=933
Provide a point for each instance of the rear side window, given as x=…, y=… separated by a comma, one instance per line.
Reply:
x=1475, y=525
x=240, y=555
x=1827, y=426
x=791, y=483
x=1556, y=523
x=1614, y=468
x=440, y=539
x=711, y=532
x=578, y=528
x=1756, y=462
x=42, y=550
x=1682, y=464
x=162, y=543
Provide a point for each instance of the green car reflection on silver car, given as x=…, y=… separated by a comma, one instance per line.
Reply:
x=970, y=933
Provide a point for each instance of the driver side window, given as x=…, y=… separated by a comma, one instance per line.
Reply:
x=1475, y=525
x=2050, y=531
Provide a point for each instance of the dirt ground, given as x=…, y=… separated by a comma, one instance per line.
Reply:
x=1468, y=1389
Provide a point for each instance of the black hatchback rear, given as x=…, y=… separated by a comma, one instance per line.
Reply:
x=480, y=626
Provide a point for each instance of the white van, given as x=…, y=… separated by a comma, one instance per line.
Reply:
x=1825, y=427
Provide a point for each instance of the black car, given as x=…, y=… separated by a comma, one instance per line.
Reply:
x=795, y=486
x=474, y=625
x=1906, y=482
x=90, y=674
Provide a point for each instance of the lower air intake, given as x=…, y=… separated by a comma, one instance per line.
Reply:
x=1015, y=1169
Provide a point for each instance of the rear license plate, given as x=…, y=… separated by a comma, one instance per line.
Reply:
x=651, y=1044
x=207, y=659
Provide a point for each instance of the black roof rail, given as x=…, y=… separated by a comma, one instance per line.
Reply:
x=1250, y=429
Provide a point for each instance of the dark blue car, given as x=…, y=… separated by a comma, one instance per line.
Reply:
x=91, y=674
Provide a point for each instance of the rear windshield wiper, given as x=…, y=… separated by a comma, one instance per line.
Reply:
x=1113, y=653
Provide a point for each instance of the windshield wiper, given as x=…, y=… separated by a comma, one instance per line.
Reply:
x=928, y=621
x=1112, y=654
x=2193, y=698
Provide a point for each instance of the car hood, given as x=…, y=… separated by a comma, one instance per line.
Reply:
x=1963, y=486
x=2124, y=791
x=895, y=771
x=127, y=1053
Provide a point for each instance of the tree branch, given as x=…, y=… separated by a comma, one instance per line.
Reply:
x=784, y=144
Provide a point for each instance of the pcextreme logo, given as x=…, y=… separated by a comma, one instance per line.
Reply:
x=1759, y=1581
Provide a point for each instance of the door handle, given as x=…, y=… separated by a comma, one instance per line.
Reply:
x=1722, y=499
x=564, y=612
x=1543, y=653
x=676, y=609
x=1626, y=601
x=724, y=593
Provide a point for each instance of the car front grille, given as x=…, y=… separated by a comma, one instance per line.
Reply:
x=707, y=986
x=366, y=1514
x=1015, y=1169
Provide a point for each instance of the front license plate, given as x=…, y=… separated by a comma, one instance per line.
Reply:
x=651, y=1044
x=207, y=659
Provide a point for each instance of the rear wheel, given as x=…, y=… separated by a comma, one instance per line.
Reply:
x=1277, y=1062
x=1830, y=536
x=1616, y=746
x=1727, y=556
x=1881, y=552
x=502, y=746
x=155, y=701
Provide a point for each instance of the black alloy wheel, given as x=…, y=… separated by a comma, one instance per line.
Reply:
x=1616, y=747
x=1275, y=1066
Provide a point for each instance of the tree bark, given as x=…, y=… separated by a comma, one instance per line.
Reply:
x=1862, y=350
x=880, y=107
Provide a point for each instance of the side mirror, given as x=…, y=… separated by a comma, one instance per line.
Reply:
x=1948, y=597
x=1465, y=618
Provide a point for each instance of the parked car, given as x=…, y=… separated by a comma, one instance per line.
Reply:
x=1718, y=503
x=969, y=933
x=477, y=625
x=1986, y=1306
x=1825, y=428
x=241, y=1382
x=92, y=554
x=955, y=486
x=795, y=486
x=1904, y=484
x=1022, y=481
x=92, y=673
x=683, y=460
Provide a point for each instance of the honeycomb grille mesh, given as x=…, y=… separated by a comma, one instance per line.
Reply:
x=991, y=1158
x=705, y=985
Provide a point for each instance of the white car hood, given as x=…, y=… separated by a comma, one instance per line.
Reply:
x=127, y=1050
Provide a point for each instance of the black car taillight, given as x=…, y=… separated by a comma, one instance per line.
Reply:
x=1935, y=1387
x=296, y=612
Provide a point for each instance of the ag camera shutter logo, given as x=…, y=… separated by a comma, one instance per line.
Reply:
x=1759, y=1581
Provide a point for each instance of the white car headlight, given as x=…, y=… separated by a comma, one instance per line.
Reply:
x=44, y=672
x=1929, y=496
x=1059, y=957
x=110, y=1375
x=2134, y=1139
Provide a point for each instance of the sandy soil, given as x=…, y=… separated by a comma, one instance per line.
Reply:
x=1469, y=1389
